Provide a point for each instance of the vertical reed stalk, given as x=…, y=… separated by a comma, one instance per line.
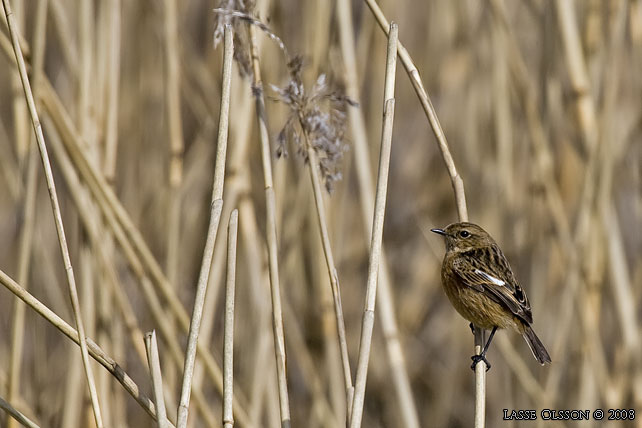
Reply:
x=332, y=270
x=417, y=84
x=228, y=344
x=111, y=37
x=26, y=233
x=385, y=301
x=377, y=230
x=175, y=128
x=21, y=133
x=112, y=82
x=273, y=262
x=157, y=379
x=578, y=71
x=71, y=282
x=458, y=189
x=215, y=217
x=136, y=252
x=480, y=382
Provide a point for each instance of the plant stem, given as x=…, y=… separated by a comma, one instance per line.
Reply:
x=157, y=379
x=377, y=230
x=94, y=350
x=55, y=205
x=175, y=131
x=456, y=181
x=385, y=303
x=415, y=79
x=332, y=270
x=277, y=315
x=15, y=414
x=228, y=344
x=215, y=217
x=27, y=230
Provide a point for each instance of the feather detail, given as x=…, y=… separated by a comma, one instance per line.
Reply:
x=491, y=278
x=485, y=269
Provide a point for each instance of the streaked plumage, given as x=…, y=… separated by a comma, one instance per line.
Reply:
x=482, y=287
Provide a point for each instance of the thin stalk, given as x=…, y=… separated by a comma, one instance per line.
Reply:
x=417, y=84
x=235, y=185
x=377, y=230
x=93, y=349
x=332, y=385
x=385, y=302
x=175, y=131
x=323, y=412
x=86, y=274
x=573, y=243
x=228, y=328
x=109, y=202
x=62, y=31
x=107, y=199
x=26, y=233
x=578, y=70
x=135, y=250
x=8, y=166
x=157, y=379
x=108, y=77
x=455, y=179
x=215, y=217
x=166, y=328
x=26, y=238
x=521, y=371
x=103, y=245
x=256, y=263
x=613, y=152
x=110, y=208
x=15, y=414
x=21, y=133
x=73, y=292
x=273, y=261
x=113, y=79
x=502, y=116
x=480, y=382
x=88, y=103
x=313, y=164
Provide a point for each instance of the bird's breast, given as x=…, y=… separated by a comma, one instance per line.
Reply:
x=475, y=306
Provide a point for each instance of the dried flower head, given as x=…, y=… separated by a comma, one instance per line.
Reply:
x=237, y=11
x=317, y=118
x=233, y=12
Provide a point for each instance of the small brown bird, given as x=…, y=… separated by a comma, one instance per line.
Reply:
x=482, y=287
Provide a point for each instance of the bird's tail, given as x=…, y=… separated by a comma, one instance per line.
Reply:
x=538, y=349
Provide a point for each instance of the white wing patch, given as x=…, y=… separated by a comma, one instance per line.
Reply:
x=491, y=278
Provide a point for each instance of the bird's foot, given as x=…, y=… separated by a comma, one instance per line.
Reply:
x=476, y=359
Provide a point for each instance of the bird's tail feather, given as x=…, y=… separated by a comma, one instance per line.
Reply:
x=538, y=349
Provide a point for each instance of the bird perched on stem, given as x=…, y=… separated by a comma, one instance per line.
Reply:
x=482, y=287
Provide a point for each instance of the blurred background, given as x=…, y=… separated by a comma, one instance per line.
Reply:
x=541, y=103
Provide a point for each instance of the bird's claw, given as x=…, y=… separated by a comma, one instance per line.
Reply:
x=476, y=359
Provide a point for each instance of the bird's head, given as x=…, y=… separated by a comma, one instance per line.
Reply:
x=464, y=236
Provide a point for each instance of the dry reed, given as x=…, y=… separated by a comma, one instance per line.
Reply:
x=541, y=109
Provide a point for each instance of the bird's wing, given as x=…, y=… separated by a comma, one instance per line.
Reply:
x=486, y=270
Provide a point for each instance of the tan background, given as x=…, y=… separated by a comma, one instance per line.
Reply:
x=546, y=141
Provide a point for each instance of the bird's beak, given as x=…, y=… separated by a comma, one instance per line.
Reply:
x=439, y=231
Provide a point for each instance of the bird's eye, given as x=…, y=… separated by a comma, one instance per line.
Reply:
x=464, y=234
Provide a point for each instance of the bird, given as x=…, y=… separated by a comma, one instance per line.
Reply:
x=481, y=286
